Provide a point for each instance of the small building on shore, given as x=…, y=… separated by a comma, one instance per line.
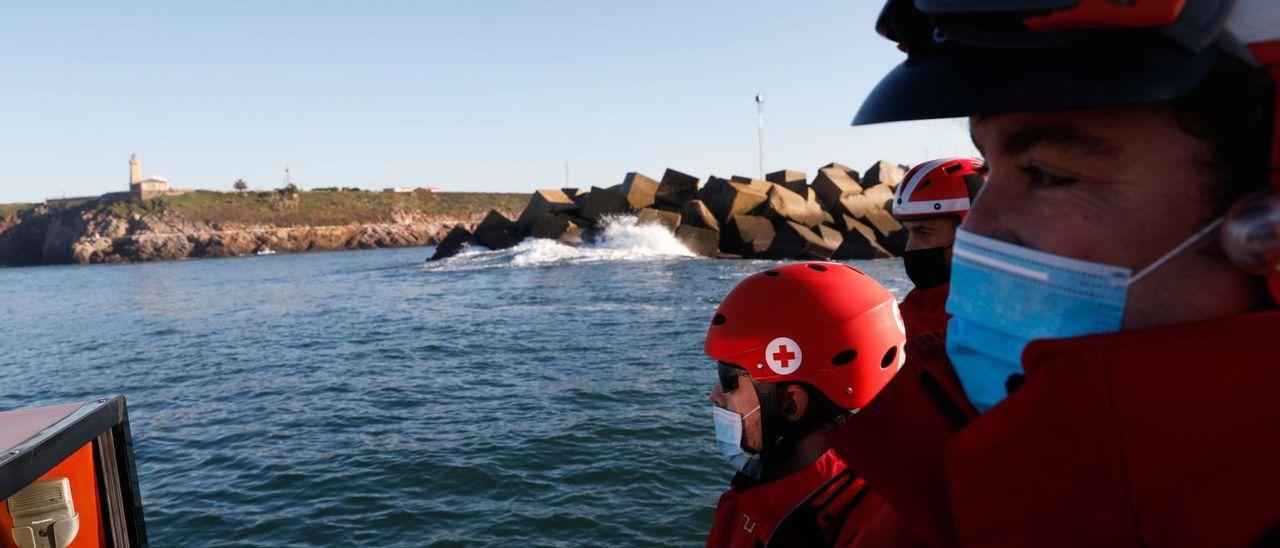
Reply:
x=145, y=189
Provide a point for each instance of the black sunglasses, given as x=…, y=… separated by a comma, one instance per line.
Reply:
x=729, y=376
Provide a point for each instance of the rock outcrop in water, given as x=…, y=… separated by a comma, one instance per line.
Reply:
x=113, y=229
x=840, y=215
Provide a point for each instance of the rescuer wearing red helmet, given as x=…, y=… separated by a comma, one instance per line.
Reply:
x=1110, y=375
x=799, y=349
x=931, y=201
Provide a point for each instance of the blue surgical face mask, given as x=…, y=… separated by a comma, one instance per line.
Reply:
x=1003, y=296
x=729, y=438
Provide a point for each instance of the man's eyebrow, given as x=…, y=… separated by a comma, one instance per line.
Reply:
x=1061, y=135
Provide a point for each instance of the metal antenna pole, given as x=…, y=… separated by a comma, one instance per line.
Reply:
x=760, y=129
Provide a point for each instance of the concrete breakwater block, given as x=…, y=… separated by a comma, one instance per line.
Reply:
x=572, y=193
x=868, y=209
x=792, y=180
x=882, y=195
x=755, y=184
x=727, y=199
x=543, y=201
x=859, y=241
x=668, y=219
x=676, y=188
x=496, y=231
x=554, y=226
x=831, y=184
x=703, y=241
x=890, y=234
x=640, y=191
x=747, y=235
x=882, y=221
x=848, y=170
x=696, y=213
x=793, y=240
x=856, y=205
x=783, y=204
x=883, y=173
x=458, y=239
x=601, y=202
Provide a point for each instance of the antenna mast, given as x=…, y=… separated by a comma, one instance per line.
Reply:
x=760, y=129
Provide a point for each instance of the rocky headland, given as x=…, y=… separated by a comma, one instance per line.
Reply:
x=841, y=214
x=119, y=228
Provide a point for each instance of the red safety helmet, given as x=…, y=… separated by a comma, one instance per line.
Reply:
x=945, y=186
x=824, y=324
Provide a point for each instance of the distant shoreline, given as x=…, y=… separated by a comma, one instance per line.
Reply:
x=118, y=228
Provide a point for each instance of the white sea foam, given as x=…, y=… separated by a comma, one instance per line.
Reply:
x=623, y=239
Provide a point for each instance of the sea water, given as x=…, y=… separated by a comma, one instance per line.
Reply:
x=540, y=395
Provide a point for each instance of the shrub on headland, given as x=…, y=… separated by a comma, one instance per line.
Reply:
x=840, y=215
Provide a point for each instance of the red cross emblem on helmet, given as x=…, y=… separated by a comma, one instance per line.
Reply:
x=783, y=356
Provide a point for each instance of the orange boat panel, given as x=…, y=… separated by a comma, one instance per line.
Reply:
x=80, y=470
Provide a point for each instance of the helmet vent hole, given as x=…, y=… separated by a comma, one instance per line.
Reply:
x=771, y=273
x=952, y=168
x=844, y=357
x=923, y=184
x=890, y=357
x=718, y=319
x=818, y=267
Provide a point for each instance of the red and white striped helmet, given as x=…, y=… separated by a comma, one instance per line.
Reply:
x=945, y=186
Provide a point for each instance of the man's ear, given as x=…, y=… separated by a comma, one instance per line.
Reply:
x=795, y=401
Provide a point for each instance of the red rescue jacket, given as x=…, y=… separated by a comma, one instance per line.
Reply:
x=1161, y=437
x=749, y=516
x=925, y=310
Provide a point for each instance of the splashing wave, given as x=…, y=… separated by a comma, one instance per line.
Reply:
x=623, y=239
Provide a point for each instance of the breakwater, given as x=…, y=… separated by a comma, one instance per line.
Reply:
x=841, y=214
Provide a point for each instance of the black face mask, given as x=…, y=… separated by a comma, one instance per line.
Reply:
x=927, y=268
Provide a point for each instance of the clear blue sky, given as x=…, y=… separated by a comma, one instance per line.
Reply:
x=463, y=95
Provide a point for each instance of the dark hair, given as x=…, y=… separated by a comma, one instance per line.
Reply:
x=1232, y=110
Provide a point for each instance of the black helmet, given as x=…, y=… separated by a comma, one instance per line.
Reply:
x=973, y=57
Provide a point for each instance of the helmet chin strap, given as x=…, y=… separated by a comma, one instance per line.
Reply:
x=775, y=442
x=1267, y=54
x=780, y=436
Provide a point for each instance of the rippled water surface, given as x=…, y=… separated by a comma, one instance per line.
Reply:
x=540, y=395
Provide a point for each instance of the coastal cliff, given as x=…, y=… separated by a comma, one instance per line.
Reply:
x=118, y=229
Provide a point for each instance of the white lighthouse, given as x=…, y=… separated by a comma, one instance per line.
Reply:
x=145, y=189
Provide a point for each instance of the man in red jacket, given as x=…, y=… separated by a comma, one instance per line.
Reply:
x=799, y=349
x=1110, y=375
x=931, y=202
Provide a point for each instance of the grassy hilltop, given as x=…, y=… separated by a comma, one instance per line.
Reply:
x=9, y=209
x=317, y=208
